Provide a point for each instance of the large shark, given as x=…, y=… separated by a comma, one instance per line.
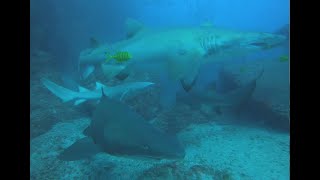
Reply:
x=180, y=52
x=118, y=92
x=118, y=130
x=233, y=99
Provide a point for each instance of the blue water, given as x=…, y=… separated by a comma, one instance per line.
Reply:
x=247, y=141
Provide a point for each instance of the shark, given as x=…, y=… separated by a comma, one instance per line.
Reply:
x=232, y=99
x=181, y=51
x=118, y=92
x=117, y=130
x=237, y=97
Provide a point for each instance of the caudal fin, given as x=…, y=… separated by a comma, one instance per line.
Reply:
x=63, y=93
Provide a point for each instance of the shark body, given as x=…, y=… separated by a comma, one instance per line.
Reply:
x=180, y=52
x=84, y=94
x=118, y=130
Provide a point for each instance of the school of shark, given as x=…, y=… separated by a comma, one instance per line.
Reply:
x=179, y=53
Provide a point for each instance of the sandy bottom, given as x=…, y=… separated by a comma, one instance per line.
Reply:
x=213, y=151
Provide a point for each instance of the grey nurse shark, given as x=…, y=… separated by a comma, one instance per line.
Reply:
x=118, y=130
x=233, y=99
x=180, y=52
x=117, y=92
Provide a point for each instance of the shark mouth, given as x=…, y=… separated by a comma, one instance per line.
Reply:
x=266, y=41
x=261, y=45
x=258, y=44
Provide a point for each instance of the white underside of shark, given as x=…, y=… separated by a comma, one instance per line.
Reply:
x=84, y=94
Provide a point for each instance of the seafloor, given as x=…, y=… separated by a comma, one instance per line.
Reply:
x=216, y=146
x=213, y=151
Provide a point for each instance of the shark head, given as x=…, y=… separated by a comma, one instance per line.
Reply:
x=221, y=43
x=262, y=41
x=160, y=146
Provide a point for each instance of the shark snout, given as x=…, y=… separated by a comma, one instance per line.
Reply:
x=265, y=40
x=169, y=148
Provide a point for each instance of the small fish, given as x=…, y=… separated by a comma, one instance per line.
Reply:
x=283, y=58
x=121, y=56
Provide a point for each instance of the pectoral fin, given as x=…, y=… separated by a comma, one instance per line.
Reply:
x=189, y=82
x=190, y=78
x=122, y=75
x=185, y=69
x=110, y=70
x=82, y=149
x=87, y=71
x=79, y=101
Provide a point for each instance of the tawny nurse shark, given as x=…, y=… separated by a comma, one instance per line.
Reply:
x=181, y=52
x=116, y=129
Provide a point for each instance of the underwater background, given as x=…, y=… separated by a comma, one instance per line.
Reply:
x=213, y=99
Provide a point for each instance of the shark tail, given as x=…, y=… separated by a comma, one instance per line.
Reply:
x=63, y=93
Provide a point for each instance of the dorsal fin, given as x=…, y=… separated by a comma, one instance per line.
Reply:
x=188, y=85
x=133, y=27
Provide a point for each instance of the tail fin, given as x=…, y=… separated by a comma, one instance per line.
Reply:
x=59, y=91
